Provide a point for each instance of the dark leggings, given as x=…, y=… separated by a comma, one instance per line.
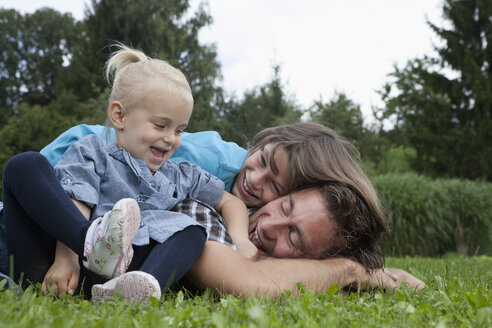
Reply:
x=38, y=212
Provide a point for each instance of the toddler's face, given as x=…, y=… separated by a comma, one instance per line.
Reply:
x=153, y=127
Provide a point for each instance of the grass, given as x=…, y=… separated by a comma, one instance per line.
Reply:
x=458, y=295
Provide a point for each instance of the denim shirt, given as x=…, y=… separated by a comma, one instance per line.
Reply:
x=205, y=149
x=99, y=175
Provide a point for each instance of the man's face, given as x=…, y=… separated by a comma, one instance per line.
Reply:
x=296, y=225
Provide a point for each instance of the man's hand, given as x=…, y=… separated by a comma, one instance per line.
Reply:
x=247, y=249
x=63, y=275
x=404, y=277
x=387, y=278
x=373, y=280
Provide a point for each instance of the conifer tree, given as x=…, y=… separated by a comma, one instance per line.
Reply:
x=443, y=104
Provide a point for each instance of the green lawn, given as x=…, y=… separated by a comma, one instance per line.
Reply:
x=458, y=294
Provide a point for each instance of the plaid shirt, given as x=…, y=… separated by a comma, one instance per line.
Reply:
x=208, y=217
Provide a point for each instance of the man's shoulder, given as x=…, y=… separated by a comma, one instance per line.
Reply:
x=208, y=217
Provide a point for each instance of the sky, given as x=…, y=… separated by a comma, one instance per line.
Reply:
x=322, y=46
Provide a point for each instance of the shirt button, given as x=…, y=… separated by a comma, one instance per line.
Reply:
x=152, y=184
x=67, y=181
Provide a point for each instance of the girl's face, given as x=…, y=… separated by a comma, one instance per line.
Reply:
x=256, y=184
x=152, y=129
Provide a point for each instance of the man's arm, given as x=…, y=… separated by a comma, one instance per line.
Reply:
x=224, y=269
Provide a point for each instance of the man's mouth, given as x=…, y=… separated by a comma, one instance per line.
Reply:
x=255, y=238
x=246, y=188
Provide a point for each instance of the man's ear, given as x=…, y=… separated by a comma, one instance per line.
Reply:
x=116, y=113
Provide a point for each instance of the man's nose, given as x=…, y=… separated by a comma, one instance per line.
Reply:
x=273, y=227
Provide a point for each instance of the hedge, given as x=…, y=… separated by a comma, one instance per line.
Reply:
x=431, y=217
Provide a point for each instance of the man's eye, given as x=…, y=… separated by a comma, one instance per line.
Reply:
x=285, y=208
x=282, y=208
x=295, y=244
x=160, y=126
x=290, y=239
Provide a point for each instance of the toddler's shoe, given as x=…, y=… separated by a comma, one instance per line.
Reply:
x=134, y=286
x=108, y=243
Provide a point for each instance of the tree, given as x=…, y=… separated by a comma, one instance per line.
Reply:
x=30, y=130
x=443, y=105
x=161, y=28
x=261, y=107
x=342, y=115
x=35, y=49
x=345, y=117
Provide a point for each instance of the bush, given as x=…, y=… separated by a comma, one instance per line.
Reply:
x=430, y=217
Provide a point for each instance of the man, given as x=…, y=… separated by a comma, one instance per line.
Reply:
x=271, y=228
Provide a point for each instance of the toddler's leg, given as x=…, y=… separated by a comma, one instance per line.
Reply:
x=38, y=212
x=134, y=286
x=108, y=244
x=165, y=264
x=33, y=194
x=168, y=262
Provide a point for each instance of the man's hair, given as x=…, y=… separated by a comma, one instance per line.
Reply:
x=359, y=230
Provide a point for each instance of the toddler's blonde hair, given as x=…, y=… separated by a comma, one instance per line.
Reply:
x=132, y=75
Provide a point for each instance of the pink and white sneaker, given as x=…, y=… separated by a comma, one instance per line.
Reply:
x=134, y=286
x=108, y=243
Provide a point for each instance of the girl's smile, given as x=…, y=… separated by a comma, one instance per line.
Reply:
x=257, y=184
x=158, y=154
